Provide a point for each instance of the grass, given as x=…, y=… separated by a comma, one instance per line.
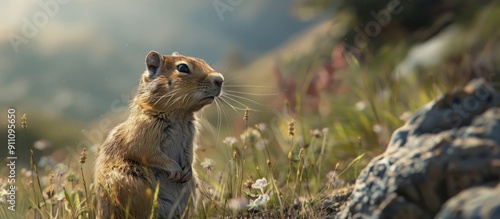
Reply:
x=253, y=177
x=288, y=164
x=273, y=170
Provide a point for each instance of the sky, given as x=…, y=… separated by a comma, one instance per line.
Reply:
x=74, y=57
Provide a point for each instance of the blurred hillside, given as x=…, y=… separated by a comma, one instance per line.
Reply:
x=83, y=62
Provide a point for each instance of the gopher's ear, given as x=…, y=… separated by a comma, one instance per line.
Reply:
x=175, y=54
x=154, y=63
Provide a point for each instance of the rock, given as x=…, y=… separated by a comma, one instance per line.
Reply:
x=445, y=157
x=476, y=202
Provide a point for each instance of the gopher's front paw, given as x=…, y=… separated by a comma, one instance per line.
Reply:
x=175, y=173
x=187, y=174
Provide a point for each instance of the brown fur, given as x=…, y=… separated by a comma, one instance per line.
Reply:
x=154, y=146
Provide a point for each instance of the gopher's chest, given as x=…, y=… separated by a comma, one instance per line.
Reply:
x=177, y=141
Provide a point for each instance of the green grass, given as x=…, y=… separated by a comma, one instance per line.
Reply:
x=305, y=155
x=295, y=153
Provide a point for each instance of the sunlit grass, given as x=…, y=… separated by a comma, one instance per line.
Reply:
x=279, y=169
x=289, y=165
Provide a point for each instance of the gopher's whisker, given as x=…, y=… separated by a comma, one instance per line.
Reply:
x=218, y=121
x=171, y=94
x=238, y=102
x=250, y=86
x=230, y=105
x=243, y=98
x=248, y=93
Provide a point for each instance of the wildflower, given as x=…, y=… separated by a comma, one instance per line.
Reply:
x=316, y=133
x=259, y=201
x=237, y=203
x=253, y=205
x=230, y=141
x=324, y=131
x=42, y=144
x=261, y=127
x=262, y=199
x=260, y=184
x=208, y=164
x=405, y=116
x=3, y=194
x=251, y=135
x=360, y=105
x=93, y=148
x=26, y=173
x=378, y=128
x=71, y=177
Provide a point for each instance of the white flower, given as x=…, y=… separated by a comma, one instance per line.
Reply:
x=253, y=205
x=262, y=199
x=261, y=127
x=237, y=203
x=360, y=105
x=251, y=135
x=259, y=201
x=42, y=144
x=260, y=184
x=405, y=116
x=378, y=128
x=208, y=164
x=316, y=133
x=230, y=140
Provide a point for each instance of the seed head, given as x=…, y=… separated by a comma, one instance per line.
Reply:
x=291, y=129
x=236, y=154
x=24, y=124
x=247, y=112
x=83, y=157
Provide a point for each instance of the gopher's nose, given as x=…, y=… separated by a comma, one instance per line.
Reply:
x=217, y=79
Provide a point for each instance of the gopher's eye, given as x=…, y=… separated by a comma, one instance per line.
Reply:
x=183, y=68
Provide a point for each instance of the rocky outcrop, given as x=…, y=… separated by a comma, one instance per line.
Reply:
x=444, y=162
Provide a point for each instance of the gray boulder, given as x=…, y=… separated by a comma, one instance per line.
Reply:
x=444, y=162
